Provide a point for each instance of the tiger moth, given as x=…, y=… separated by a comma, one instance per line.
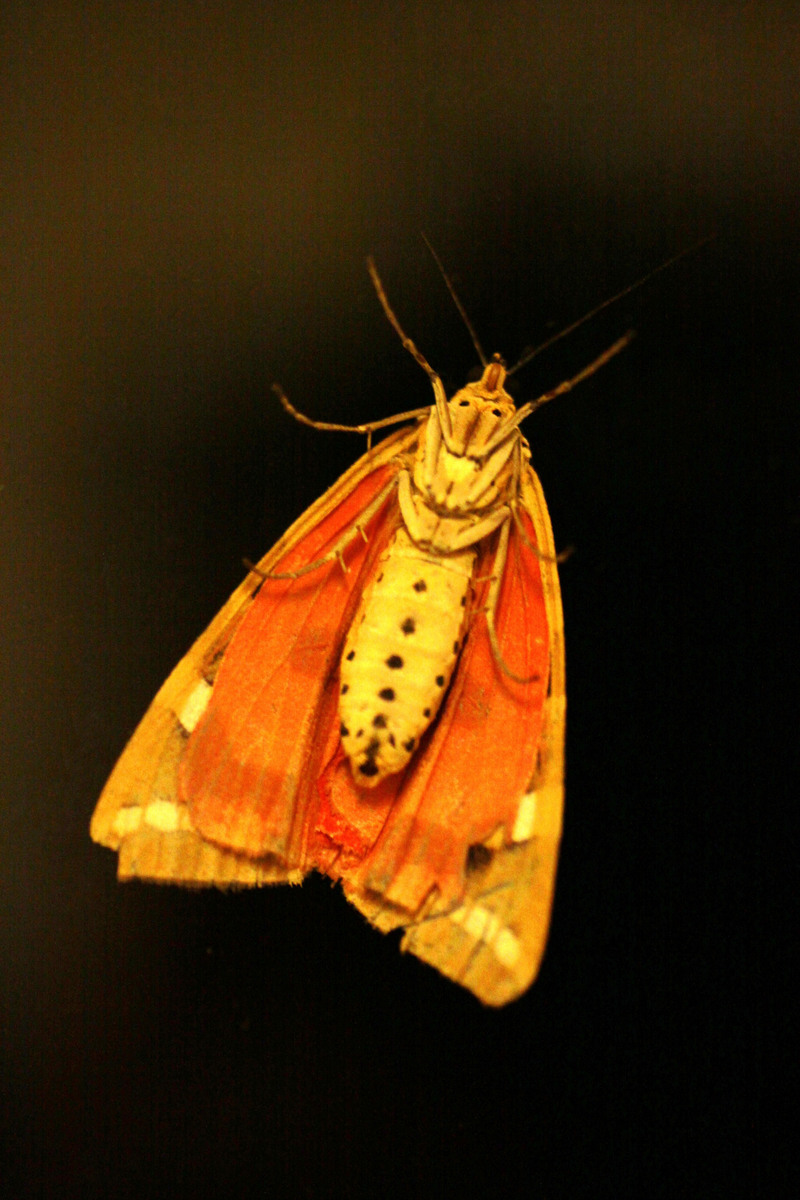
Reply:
x=382, y=700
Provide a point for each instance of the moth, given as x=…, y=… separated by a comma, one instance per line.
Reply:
x=381, y=700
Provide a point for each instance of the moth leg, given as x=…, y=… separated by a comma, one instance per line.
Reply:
x=508, y=427
x=492, y=602
x=520, y=458
x=457, y=301
x=562, y=555
x=337, y=551
x=368, y=428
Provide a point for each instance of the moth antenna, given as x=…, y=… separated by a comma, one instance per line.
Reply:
x=456, y=300
x=526, y=358
x=396, y=326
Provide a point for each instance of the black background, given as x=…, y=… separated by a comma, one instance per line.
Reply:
x=189, y=196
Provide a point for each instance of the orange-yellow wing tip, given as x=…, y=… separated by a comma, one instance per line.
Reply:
x=494, y=941
x=140, y=813
x=488, y=944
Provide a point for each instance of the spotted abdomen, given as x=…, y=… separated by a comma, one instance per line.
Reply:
x=399, y=655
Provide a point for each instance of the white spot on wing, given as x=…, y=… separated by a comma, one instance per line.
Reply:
x=525, y=820
x=507, y=948
x=484, y=926
x=127, y=820
x=195, y=705
x=166, y=817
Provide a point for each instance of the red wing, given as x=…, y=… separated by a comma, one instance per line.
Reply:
x=470, y=773
x=250, y=768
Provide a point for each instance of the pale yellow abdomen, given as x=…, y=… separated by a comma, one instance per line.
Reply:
x=399, y=655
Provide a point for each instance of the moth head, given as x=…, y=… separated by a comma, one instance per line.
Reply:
x=479, y=410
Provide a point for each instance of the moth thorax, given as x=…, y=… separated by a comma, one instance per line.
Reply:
x=400, y=654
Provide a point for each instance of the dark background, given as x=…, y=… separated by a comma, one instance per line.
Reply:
x=189, y=194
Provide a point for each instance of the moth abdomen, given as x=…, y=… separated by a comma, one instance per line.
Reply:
x=399, y=655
